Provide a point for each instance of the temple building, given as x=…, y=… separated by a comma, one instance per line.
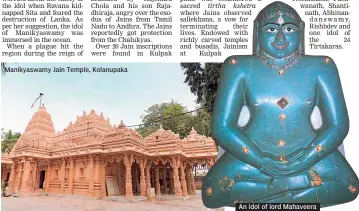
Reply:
x=90, y=157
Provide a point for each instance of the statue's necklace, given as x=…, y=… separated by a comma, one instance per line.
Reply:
x=272, y=62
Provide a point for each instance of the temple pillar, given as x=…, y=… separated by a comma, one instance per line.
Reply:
x=143, y=178
x=164, y=176
x=26, y=180
x=128, y=164
x=71, y=176
x=123, y=180
x=48, y=177
x=157, y=181
x=188, y=180
x=148, y=182
x=102, y=172
x=62, y=178
x=176, y=181
x=98, y=175
x=183, y=182
x=91, y=176
x=192, y=181
x=12, y=178
x=20, y=175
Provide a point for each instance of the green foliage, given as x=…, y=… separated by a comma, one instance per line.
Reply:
x=162, y=114
x=203, y=81
x=8, y=140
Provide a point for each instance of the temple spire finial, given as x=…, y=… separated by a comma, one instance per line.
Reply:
x=193, y=131
x=121, y=125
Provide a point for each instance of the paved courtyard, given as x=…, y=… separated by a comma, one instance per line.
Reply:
x=57, y=203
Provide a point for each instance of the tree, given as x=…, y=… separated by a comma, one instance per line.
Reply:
x=175, y=117
x=8, y=140
x=203, y=81
x=202, y=122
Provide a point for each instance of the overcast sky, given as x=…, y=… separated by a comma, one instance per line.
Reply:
x=120, y=96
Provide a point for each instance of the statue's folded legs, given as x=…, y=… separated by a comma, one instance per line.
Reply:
x=278, y=156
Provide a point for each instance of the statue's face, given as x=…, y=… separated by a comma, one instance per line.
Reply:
x=280, y=36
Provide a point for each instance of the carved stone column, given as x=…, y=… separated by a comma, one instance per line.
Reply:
x=164, y=176
x=183, y=182
x=63, y=169
x=98, y=175
x=157, y=181
x=188, y=180
x=177, y=185
x=128, y=164
x=19, y=175
x=33, y=176
x=91, y=176
x=12, y=178
x=143, y=178
x=48, y=177
x=192, y=181
x=71, y=176
x=148, y=181
x=103, y=177
x=26, y=180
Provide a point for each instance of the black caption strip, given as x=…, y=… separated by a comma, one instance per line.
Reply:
x=277, y=206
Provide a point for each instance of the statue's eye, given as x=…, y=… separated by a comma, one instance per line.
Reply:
x=272, y=30
x=288, y=29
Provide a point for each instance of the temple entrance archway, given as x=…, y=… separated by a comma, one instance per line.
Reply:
x=162, y=179
x=116, y=179
x=135, y=172
x=42, y=179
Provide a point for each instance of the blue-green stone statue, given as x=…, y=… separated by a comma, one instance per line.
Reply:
x=278, y=156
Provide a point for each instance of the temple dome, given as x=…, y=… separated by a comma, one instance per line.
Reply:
x=87, y=125
x=196, y=144
x=40, y=123
x=38, y=132
x=163, y=142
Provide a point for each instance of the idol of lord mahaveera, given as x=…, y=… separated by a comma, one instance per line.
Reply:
x=278, y=156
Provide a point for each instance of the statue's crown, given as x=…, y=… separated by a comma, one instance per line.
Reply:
x=277, y=9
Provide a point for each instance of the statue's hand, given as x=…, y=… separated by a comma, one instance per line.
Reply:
x=266, y=155
x=272, y=166
x=294, y=157
x=292, y=168
x=269, y=168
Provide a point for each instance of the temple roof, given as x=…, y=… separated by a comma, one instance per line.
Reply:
x=40, y=123
x=163, y=142
x=195, y=143
x=92, y=133
x=5, y=158
x=38, y=133
x=87, y=125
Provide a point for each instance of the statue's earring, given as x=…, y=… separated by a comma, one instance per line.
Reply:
x=301, y=42
x=256, y=46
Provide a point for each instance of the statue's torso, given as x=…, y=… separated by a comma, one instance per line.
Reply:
x=265, y=87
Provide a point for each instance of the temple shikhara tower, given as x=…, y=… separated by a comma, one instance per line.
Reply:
x=90, y=157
